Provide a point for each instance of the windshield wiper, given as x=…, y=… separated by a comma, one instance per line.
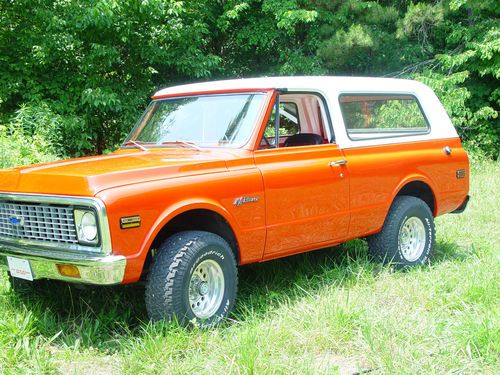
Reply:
x=138, y=145
x=184, y=143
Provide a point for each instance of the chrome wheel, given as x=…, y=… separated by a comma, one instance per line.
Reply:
x=206, y=289
x=412, y=238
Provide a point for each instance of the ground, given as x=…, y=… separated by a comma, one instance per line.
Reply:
x=329, y=311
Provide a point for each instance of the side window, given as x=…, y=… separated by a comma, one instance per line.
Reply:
x=301, y=122
x=380, y=116
x=289, y=121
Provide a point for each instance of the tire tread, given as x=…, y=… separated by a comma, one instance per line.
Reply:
x=171, y=261
x=381, y=244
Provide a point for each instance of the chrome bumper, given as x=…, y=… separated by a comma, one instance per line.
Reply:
x=99, y=270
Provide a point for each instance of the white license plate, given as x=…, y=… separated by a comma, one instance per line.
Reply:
x=20, y=268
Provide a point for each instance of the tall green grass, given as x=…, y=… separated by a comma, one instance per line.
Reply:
x=329, y=311
x=29, y=137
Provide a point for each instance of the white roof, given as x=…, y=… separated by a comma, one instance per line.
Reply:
x=331, y=87
x=306, y=83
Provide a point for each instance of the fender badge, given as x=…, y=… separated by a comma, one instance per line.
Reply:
x=130, y=222
x=460, y=173
x=239, y=201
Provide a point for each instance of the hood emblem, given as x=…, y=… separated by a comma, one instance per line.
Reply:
x=17, y=221
x=239, y=201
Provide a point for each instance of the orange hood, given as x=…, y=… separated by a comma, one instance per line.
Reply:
x=90, y=175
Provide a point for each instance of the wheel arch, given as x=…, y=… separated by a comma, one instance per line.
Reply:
x=206, y=216
x=418, y=187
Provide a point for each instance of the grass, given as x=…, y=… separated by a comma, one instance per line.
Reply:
x=329, y=311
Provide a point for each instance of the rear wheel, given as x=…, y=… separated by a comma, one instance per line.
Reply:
x=408, y=235
x=193, y=278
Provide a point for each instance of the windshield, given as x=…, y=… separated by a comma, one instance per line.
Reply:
x=204, y=121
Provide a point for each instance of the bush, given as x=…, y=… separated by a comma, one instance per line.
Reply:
x=95, y=63
x=29, y=137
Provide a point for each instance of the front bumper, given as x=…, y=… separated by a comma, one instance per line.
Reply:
x=98, y=270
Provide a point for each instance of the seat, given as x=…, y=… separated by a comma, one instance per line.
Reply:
x=303, y=139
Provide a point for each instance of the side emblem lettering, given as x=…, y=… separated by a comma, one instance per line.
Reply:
x=239, y=201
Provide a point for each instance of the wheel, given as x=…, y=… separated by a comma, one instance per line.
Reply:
x=408, y=235
x=193, y=279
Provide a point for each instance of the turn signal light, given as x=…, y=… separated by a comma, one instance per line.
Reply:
x=68, y=270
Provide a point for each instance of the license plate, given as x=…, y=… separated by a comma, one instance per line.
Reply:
x=20, y=268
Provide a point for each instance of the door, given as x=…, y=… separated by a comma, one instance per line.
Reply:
x=306, y=185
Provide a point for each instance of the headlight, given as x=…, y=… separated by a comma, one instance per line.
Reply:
x=86, y=226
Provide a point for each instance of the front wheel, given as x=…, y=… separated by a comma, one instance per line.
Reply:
x=408, y=235
x=193, y=279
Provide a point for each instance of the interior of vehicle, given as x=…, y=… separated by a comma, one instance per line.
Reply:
x=302, y=122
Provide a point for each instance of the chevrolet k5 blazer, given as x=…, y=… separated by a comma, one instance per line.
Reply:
x=220, y=174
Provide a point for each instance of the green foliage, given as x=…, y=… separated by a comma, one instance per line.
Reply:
x=30, y=137
x=420, y=21
x=399, y=114
x=466, y=73
x=96, y=62
x=93, y=64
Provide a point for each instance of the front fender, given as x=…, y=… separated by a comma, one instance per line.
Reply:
x=184, y=206
x=158, y=202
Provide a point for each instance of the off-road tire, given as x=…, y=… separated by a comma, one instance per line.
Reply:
x=385, y=246
x=167, y=285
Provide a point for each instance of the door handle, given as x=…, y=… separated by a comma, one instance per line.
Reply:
x=336, y=163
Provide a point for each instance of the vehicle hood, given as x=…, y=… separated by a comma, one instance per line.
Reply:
x=89, y=175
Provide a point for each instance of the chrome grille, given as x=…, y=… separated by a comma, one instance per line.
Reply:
x=39, y=222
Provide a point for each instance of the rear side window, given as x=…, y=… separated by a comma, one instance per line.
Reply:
x=381, y=116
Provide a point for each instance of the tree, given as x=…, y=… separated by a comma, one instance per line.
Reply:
x=94, y=63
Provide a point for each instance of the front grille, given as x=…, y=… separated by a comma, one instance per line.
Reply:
x=39, y=222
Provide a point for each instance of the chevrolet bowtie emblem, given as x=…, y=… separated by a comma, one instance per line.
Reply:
x=16, y=220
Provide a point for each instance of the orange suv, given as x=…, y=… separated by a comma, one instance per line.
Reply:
x=220, y=174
